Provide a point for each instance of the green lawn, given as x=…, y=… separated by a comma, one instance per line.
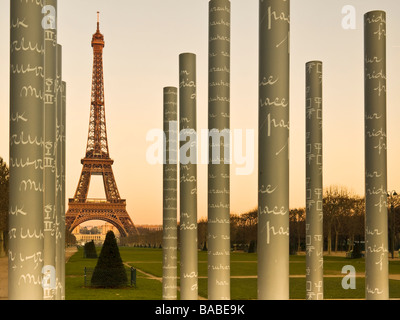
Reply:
x=242, y=264
x=146, y=289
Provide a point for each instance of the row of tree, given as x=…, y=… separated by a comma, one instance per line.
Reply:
x=90, y=230
x=343, y=220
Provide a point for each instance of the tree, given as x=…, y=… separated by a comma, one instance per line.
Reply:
x=249, y=223
x=252, y=246
x=336, y=202
x=95, y=230
x=90, y=250
x=109, y=271
x=4, y=195
x=355, y=224
x=235, y=230
x=297, y=218
x=202, y=234
x=343, y=214
x=70, y=239
x=356, y=254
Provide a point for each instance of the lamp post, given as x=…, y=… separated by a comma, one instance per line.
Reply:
x=394, y=202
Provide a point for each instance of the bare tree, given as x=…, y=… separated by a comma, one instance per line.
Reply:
x=236, y=235
x=297, y=219
x=338, y=203
x=355, y=224
x=249, y=224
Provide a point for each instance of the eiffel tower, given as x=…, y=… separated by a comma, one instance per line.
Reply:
x=98, y=162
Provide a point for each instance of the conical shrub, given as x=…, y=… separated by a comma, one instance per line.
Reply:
x=90, y=250
x=109, y=271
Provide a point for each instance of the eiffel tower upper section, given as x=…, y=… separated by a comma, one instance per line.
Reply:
x=97, y=145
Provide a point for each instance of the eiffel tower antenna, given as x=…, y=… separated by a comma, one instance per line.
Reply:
x=97, y=161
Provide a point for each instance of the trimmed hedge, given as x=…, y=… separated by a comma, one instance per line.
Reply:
x=89, y=250
x=109, y=271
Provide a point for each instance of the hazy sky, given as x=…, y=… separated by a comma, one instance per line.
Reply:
x=143, y=42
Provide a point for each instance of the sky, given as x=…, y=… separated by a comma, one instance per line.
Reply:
x=143, y=43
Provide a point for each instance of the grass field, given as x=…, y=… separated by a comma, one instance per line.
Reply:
x=243, y=277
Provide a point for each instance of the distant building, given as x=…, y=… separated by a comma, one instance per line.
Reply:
x=150, y=227
x=98, y=237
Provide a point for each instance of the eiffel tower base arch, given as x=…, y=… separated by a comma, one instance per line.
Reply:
x=112, y=212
